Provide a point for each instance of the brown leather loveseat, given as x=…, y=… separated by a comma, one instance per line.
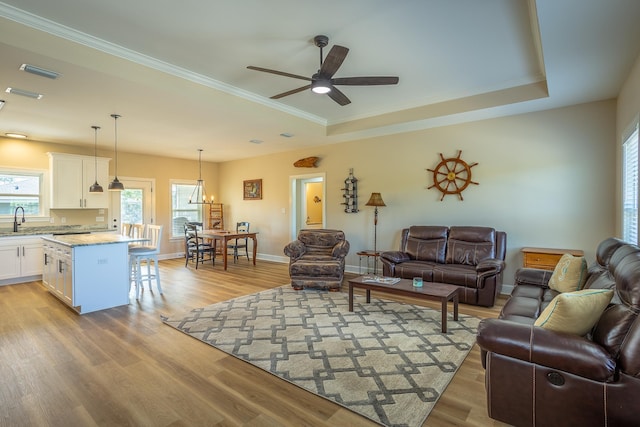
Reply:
x=470, y=257
x=541, y=377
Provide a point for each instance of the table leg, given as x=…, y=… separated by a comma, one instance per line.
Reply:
x=444, y=315
x=255, y=249
x=350, y=297
x=224, y=253
x=455, y=306
x=368, y=296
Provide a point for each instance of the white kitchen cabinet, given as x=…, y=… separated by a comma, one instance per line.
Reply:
x=71, y=177
x=88, y=272
x=21, y=259
x=49, y=268
x=57, y=273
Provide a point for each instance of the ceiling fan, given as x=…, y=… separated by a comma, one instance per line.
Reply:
x=323, y=81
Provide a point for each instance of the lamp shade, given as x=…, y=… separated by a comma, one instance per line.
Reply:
x=95, y=187
x=116, y=185
x=375, y=200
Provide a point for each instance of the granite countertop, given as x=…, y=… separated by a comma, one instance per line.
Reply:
x=25, y=230
x=74, y=240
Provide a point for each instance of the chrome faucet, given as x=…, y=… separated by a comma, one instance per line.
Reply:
x=15, y=218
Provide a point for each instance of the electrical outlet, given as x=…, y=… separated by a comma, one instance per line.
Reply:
x=63, y=220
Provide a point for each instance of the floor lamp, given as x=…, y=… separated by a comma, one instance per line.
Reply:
x=375, y=200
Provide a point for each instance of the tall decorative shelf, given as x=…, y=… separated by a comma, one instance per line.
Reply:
x=350, y=193
x=216, y=216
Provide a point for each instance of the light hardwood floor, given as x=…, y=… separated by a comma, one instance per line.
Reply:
x=123, y=366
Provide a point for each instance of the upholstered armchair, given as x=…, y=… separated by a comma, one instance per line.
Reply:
x=316, y=259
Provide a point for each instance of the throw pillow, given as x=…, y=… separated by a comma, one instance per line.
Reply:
x=575, y=312
x=569, y=275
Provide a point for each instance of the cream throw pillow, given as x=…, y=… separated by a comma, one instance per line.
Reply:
x=569, y=275
x=575, y=312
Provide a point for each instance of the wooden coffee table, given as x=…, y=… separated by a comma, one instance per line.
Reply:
x=430, y=290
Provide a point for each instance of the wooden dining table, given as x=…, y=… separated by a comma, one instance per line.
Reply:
x=225, y=236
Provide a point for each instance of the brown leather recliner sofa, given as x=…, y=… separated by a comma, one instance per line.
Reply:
x=539, y=377
x=467, y=256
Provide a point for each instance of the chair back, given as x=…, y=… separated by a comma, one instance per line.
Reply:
x=191, y=238
x=154, y=235
x=137, y=230
x=242, y=227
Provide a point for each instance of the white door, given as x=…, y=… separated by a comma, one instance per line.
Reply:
x=134, y=205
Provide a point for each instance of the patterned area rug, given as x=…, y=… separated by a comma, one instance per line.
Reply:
x=386, y=361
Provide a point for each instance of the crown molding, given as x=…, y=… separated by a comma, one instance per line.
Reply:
x=62, y=31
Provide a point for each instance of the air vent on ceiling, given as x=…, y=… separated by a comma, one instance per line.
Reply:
x=39, y=71
x=23, y=92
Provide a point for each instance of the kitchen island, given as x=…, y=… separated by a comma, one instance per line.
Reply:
x=88, y=272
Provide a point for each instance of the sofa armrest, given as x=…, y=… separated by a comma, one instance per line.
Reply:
x=395, y=257
x=564, y=352
x=295, y=249
x=340, y=249
x=490, y=265
x=533, y=276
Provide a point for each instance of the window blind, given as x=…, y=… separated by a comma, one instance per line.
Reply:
x=630, y=187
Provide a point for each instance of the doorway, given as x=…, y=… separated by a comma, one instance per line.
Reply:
x=135, y=204
x=308, y=207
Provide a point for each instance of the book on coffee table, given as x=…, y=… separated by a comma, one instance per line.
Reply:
x=379, y=279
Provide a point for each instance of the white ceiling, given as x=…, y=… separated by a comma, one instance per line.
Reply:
x=176, y=71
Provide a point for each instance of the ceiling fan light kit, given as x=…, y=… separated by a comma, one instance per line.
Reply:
x=321, y=86
x=323, y=82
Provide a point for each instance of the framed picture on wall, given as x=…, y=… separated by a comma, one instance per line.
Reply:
x=252, y=189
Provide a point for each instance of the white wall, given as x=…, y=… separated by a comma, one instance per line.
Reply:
x=547, y=179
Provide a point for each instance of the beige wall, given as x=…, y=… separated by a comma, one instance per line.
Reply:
x=546, y=178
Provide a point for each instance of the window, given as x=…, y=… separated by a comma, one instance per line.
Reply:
x=131, y=206
x=181, y=210
x=630, y=187
x=21, y=188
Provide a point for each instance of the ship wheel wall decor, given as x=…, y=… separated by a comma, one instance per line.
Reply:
x=452, y=176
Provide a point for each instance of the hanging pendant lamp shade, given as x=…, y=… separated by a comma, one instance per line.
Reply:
x=116, y=185
x=95, y=188
x=199, y=195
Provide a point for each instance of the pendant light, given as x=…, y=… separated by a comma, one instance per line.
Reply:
x=199, y=195
x=95, y=188
x=116, y=185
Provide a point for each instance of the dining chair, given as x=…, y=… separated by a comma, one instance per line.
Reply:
x=195, y=248
x=146, y=253
x=241, y=243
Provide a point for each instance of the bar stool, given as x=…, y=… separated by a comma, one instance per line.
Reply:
x=146, y=253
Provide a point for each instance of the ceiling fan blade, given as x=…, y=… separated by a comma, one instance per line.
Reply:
x=279, y=73
x=333, y=61
x=365, y=81
x=338, y=96
x=291, y=92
